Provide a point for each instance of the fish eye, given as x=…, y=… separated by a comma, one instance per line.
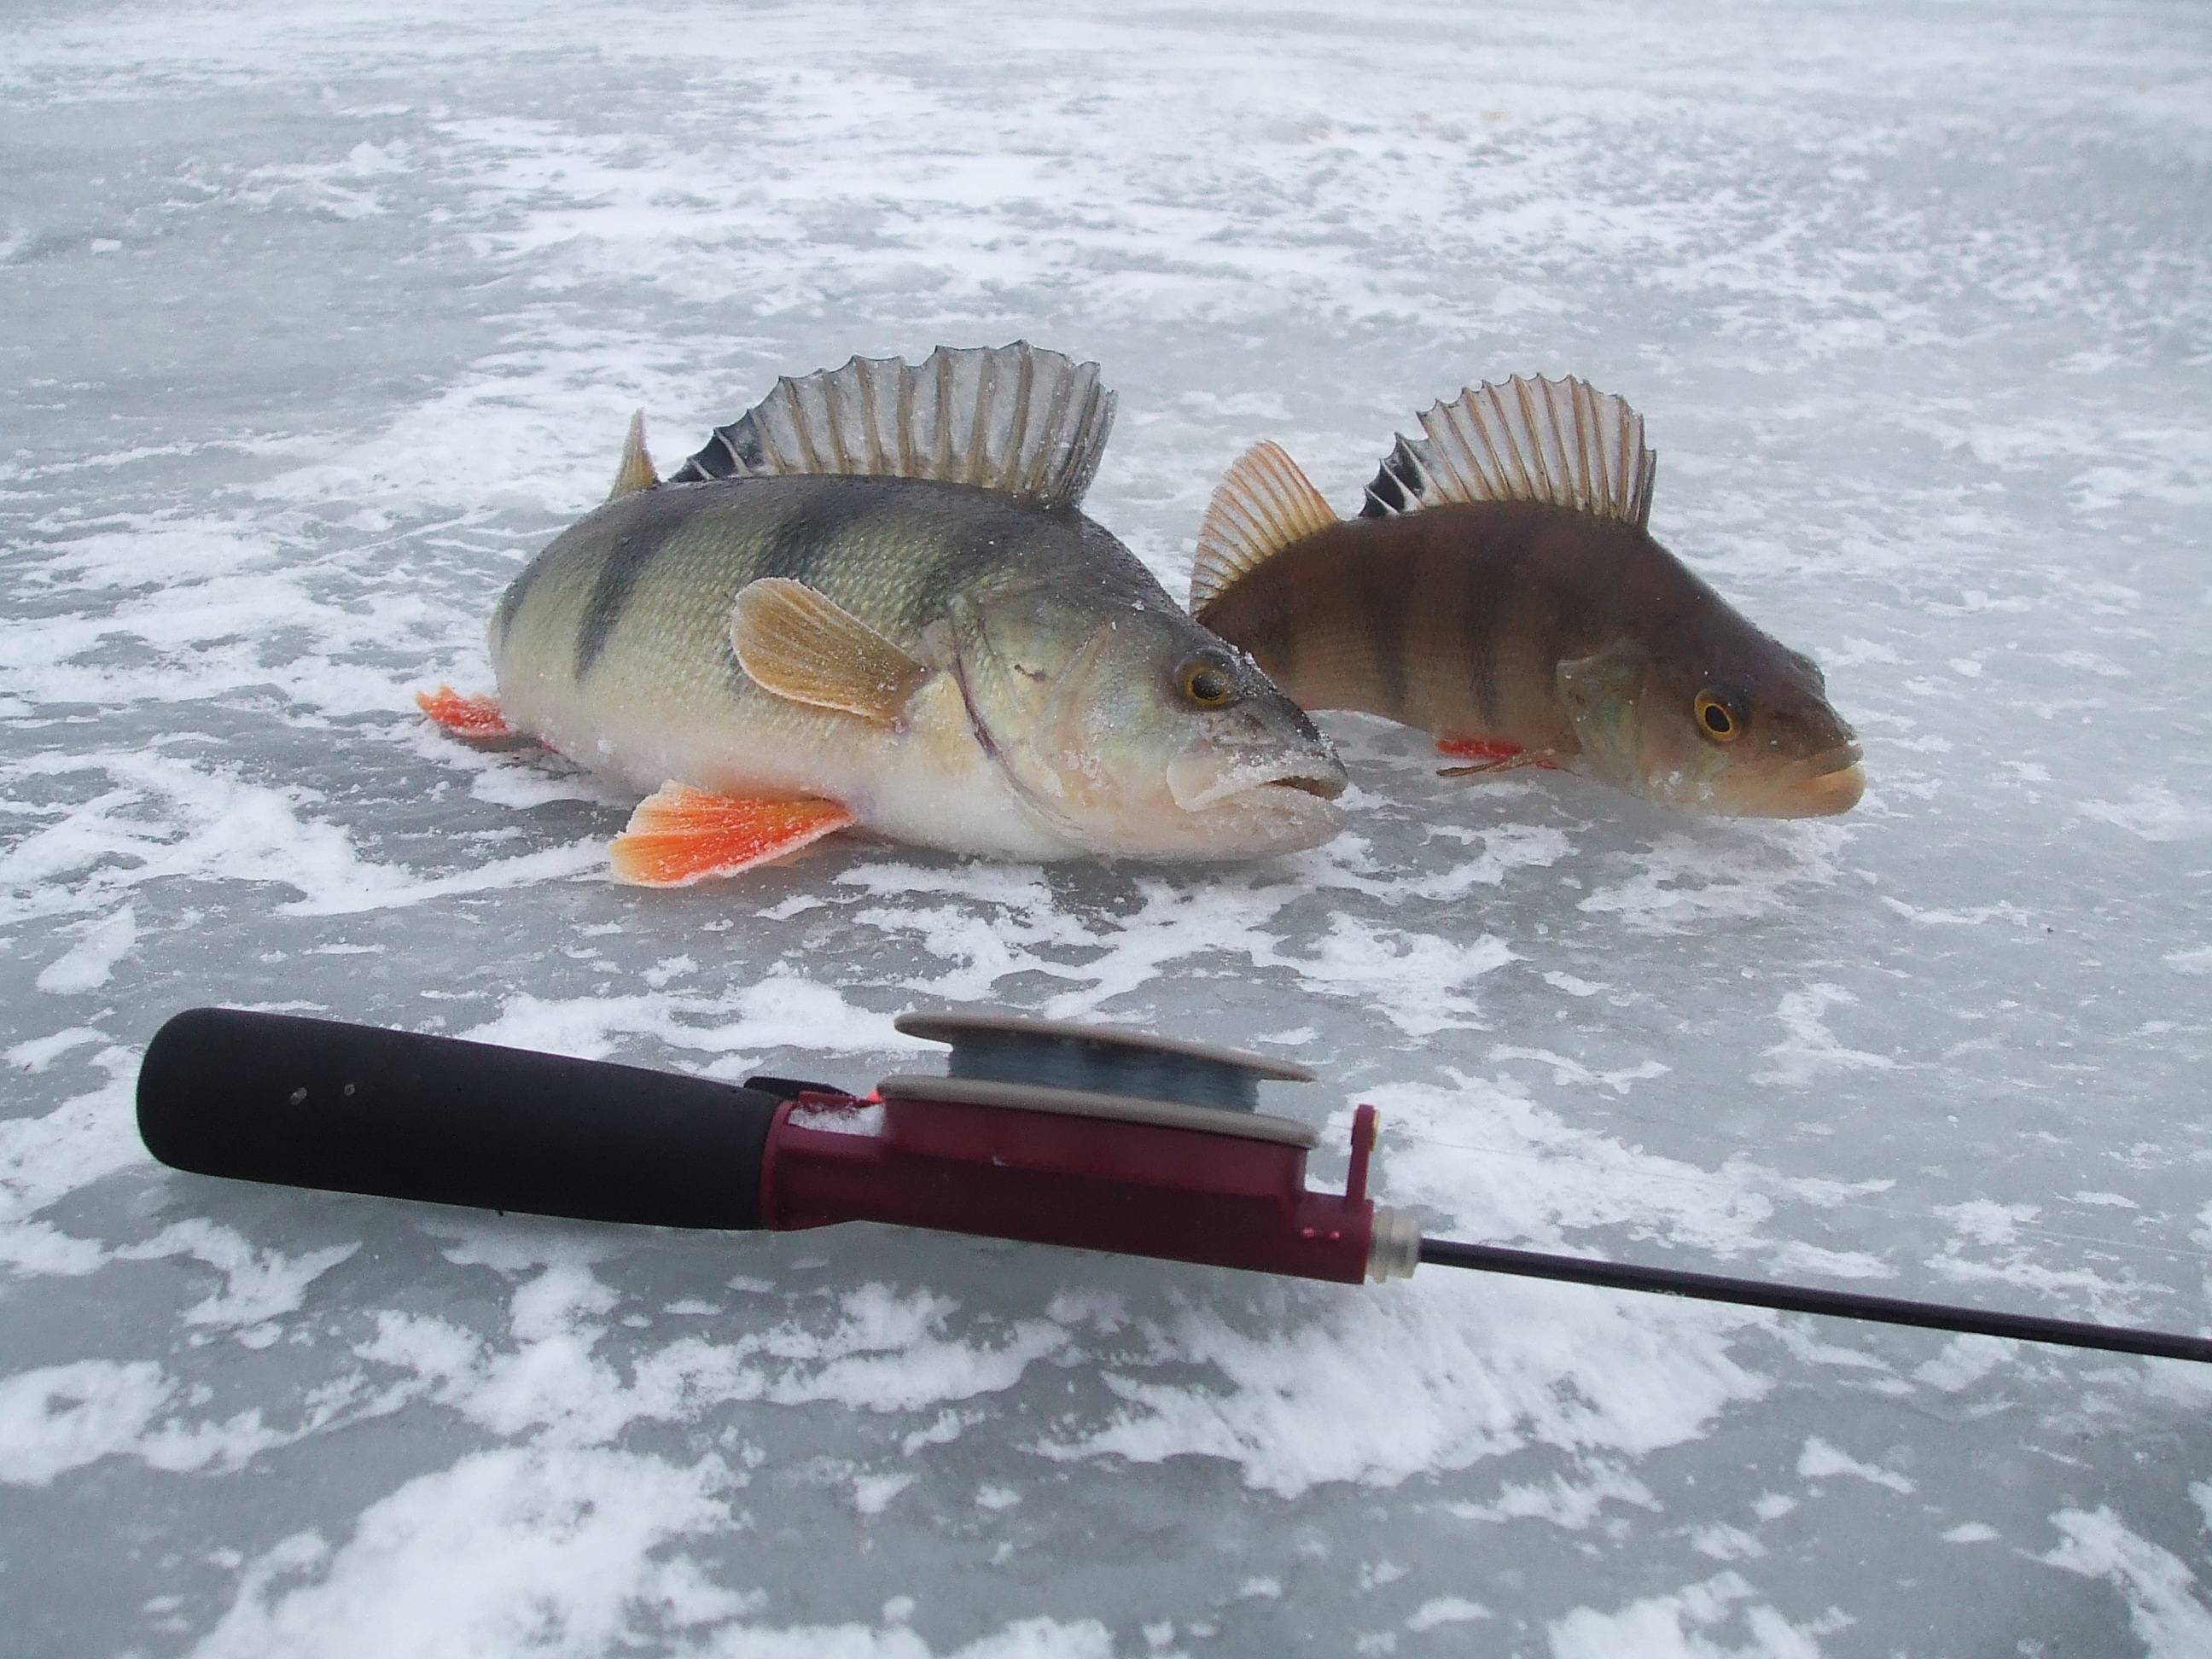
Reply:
x=1206, y=683
x=1716, y=719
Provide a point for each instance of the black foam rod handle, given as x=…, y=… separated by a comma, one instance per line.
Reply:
x=354, y=1108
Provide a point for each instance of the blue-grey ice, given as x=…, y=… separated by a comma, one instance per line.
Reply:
x=320, y=318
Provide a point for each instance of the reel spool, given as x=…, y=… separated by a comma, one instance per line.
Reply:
x=1100, y=1073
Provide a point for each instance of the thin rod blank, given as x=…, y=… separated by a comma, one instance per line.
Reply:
x=1794, y=1298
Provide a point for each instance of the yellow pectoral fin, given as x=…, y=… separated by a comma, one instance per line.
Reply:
x=800, y=644
x=681, y=835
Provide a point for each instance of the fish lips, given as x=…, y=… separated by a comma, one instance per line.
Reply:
x=1820, y=786
x=1207, y=776
x=1834, y=783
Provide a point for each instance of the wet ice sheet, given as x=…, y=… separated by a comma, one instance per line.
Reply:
x=324, y=318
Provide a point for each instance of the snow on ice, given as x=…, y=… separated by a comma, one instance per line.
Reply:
x=324, y=317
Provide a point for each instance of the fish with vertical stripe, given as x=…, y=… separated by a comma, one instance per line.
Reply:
x=1499, y=589
x=873, y=601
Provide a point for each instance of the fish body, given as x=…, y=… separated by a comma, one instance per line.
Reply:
x=962, y=660
x=1521, y=612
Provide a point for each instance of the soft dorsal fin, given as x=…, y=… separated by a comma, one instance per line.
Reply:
x=636, y=471
x=1016, y=419
x=1561, y=441
x=1263, y=505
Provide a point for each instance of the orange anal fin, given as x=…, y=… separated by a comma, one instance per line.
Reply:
x=464, y=717
x=1490, y=755
x=681, y=835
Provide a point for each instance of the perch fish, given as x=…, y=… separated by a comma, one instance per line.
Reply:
x=1500, y=591
x=873, y=600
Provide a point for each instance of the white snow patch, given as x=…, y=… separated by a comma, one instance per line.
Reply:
x=1474, y=1371
x=62, y=1417
x=164, y=817
x=90, y=962
x=2149, y=810
x=1970, y=1532
x=1689, y=1624
x=871, y=1350
x=36, y=1054
x=1819, y=1461
x=1964, y=1361
x=1564, y=1502
x=2166, y=1606
x=259, y=1285
x=873, y=1493
x=1440, y=1610
x=1726, y=1543
x=45, y=1159
x=545, y=1550
x=782, y=1011
x=1419, y=982
x=1811, y=1050
x=1684, y=880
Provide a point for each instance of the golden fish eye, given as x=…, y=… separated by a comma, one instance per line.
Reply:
x=1717, y=720
x=1206, y=683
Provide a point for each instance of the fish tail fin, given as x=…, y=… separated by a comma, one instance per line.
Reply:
x=636, y=471
x=679, y=835
x=464, y=716
x=1262, y=506
x=1017, y=419
x=1563, y=442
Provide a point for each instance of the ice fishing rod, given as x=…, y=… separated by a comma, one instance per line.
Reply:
x=1047, y=1132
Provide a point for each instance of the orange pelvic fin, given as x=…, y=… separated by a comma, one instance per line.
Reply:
x=681, y=835
x=1490, y=755
x=464, y=717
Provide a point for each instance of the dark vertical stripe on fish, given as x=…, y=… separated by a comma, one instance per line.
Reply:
x=1290, y=660
x=511, y=602
x=1389, y=615
x=1482, y=599
x=811, y=532
x=618, y=578
x=1274, y=633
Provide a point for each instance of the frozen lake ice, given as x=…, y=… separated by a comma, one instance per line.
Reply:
x=322, y=317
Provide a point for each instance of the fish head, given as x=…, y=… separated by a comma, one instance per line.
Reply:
x=1135, y=733
x=1716, y=719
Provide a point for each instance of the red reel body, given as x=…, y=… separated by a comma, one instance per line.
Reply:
x=1229, y=1200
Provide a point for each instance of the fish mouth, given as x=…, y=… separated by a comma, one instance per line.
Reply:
x=1242, y=806
x=1824, y=785
x=1241, y=783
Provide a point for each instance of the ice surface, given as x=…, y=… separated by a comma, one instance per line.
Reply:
x=322, y=317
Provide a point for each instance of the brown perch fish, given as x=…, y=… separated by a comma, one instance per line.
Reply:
x=1500, y=591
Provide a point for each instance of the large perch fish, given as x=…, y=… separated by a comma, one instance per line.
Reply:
x=1499, y=590
x=871, y=601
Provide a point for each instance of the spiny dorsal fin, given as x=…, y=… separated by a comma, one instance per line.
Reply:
x=1561, y=441
x=1262, y=506
x=1016, y=419
x=799, y=643
x=636, y=471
